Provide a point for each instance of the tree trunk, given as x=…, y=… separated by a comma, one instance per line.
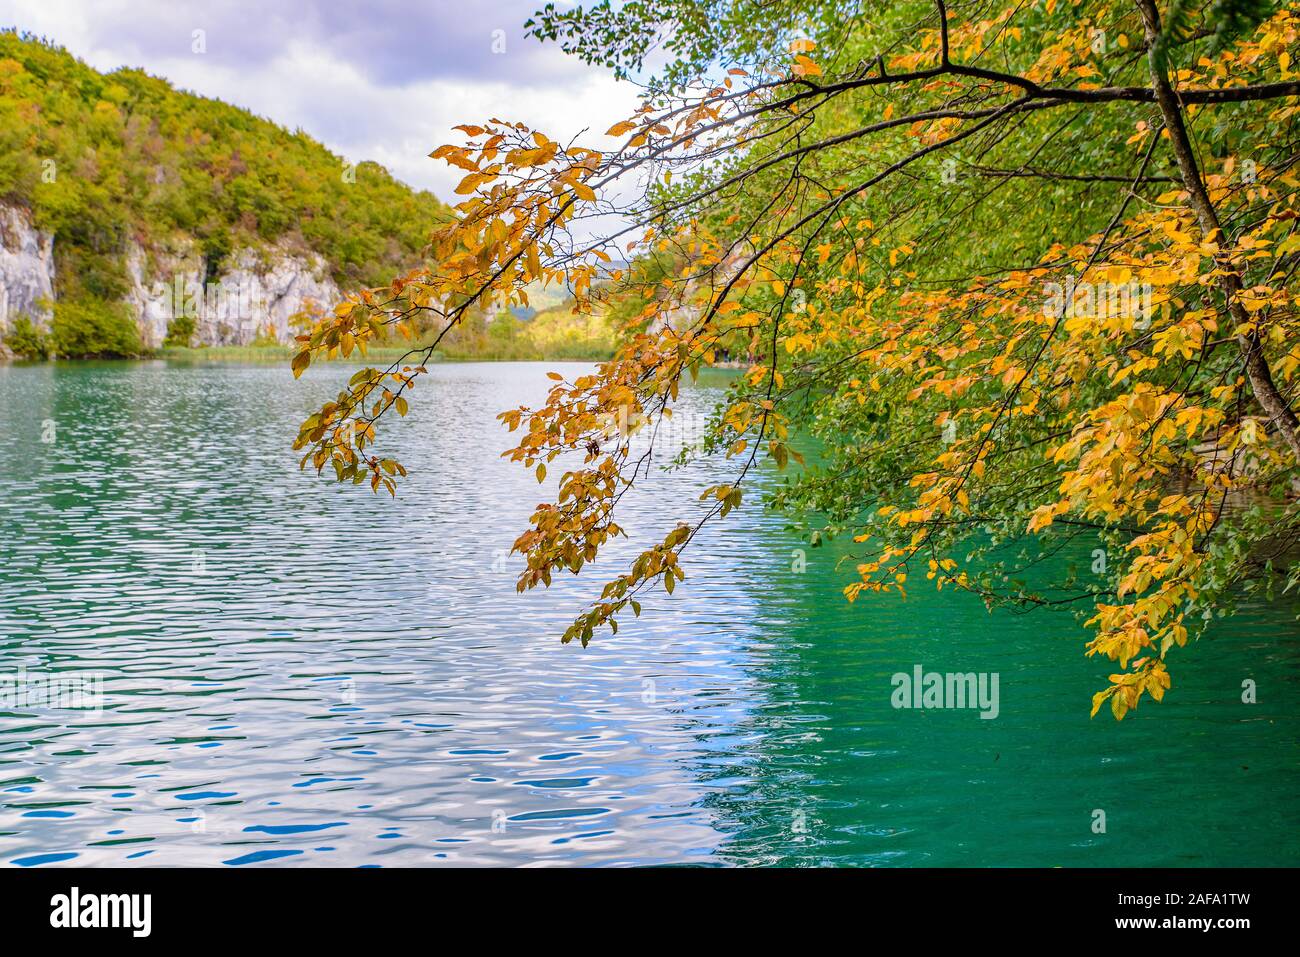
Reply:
x=1265, y=389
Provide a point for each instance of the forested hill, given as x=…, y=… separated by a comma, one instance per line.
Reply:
x=101, y=159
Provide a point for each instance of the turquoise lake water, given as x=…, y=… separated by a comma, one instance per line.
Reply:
x=288, y=672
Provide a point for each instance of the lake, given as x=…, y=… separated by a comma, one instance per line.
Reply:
x=279, y=671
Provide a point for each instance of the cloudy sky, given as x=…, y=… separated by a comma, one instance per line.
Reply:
x=382, y=80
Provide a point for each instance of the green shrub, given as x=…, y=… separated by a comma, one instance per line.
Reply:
x=27, y=341
x=265, y=338
x=180, y=331
x=94, y=328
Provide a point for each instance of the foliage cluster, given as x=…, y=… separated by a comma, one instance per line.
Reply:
x=1027, y=271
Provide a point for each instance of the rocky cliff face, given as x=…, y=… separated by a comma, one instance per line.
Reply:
x=26, y=269
x=254, y=294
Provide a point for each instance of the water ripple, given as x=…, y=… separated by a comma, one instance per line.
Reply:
x=294, y=673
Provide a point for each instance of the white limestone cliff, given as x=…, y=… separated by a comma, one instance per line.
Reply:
x=255, y=293
x=26, y=269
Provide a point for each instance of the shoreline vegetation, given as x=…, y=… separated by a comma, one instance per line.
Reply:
x=558, y=332
x=383, y=353
x=274, y=355
x=554, y=334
